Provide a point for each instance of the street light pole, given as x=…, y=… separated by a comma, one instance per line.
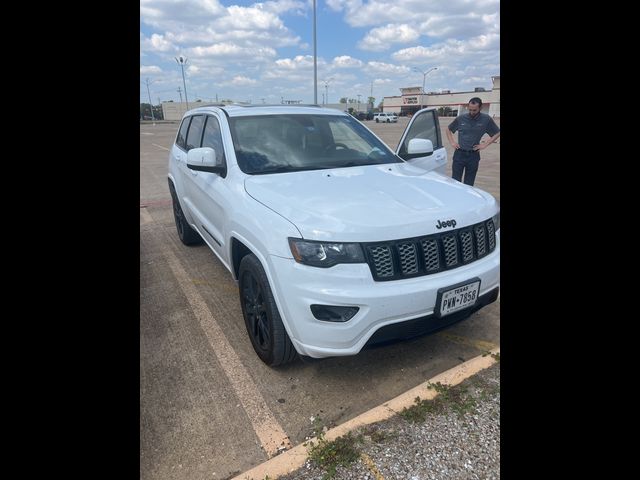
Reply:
x=326, y=90
x=150, y=104
x=424, y=76
x=182, y=61
x=315, y=58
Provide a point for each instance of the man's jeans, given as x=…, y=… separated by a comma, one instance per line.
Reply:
x=467, y=161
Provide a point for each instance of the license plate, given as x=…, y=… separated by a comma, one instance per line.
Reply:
x=457, y=297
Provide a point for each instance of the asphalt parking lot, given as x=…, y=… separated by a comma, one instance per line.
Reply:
x=209, y=408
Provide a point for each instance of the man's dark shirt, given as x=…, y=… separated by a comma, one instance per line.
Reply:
x=472, y=129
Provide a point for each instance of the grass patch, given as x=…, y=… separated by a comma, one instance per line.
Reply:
x=457, y=399
x=328, y=455
x=376, y=434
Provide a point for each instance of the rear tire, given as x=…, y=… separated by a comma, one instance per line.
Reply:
x=261, y=317
x=187, y=234
x=377, y=121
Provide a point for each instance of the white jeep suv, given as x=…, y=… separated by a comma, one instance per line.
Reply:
x=386, y=117
x=335, y=241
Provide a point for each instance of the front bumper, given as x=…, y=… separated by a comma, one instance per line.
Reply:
x=296, y=287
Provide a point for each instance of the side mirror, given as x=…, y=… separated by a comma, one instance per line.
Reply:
x=420, y=146
x=204, y=160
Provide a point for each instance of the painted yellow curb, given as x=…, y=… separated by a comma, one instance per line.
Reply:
x=294, y=458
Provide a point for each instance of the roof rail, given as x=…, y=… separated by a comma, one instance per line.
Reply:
x=281, y=105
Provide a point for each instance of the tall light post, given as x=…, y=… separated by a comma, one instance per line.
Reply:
x=182, y=61
x=424, y=75
x=315, y=58
x=326, y=90
x=150, y=104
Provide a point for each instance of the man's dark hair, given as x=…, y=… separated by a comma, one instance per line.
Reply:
x=477, y=101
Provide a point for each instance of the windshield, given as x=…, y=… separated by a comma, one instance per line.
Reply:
x=287, y=143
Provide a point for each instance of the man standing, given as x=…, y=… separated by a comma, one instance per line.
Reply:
x=471, y=127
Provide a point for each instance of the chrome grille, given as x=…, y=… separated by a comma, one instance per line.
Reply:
x=430, y=254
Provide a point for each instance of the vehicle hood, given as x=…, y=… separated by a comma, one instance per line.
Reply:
x=370, y=203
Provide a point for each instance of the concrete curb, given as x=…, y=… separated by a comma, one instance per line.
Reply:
x=296, y=457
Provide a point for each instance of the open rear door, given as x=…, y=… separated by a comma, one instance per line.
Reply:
x=424, y=124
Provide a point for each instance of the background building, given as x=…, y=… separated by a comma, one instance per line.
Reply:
x=450, y=103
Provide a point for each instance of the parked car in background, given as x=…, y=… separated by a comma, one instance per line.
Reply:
x=387, y=117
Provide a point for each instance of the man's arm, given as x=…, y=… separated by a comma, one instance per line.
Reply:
x=452, y=140
x=482, y=146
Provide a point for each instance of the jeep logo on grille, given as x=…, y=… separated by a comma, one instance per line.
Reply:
x=446, y=223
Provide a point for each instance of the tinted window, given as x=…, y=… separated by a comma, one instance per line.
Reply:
x=195, y=132
x=423, y=126
x=181, y=140
x=213, y=138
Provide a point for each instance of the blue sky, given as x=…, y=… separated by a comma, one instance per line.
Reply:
x=250, y=51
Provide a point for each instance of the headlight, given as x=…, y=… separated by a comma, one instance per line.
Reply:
x=496, y=221
x=323, y=254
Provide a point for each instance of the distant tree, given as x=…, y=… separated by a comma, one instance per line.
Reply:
x=343, y=100
x=157, y=112
x=381, y=104
x=145, y=112
x=351, y=110
x=371, y=100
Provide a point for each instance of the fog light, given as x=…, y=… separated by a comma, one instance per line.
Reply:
x=333, y=313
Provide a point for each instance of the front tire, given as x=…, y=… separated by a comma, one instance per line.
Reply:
x=261, y=317
x=187, y=234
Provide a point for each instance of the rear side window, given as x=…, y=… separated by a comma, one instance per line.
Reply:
x=181, y=140
x=194, y=136
x=212, y=137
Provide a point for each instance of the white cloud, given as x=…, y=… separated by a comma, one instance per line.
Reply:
x=241, y=81
x=231, y=50
x=167, y=14
x=296, y=63
x=388, y=68
x=234, y=49
x=157, y=43
x=346, y=61
x=282, y=6
x=358, y=13
x=451, y=50
x=382, y=38
x=149, y=69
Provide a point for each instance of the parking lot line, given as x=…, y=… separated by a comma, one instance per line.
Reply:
x=271, y=435
x=160, y=146
x=145, y=217
x=295, y=458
